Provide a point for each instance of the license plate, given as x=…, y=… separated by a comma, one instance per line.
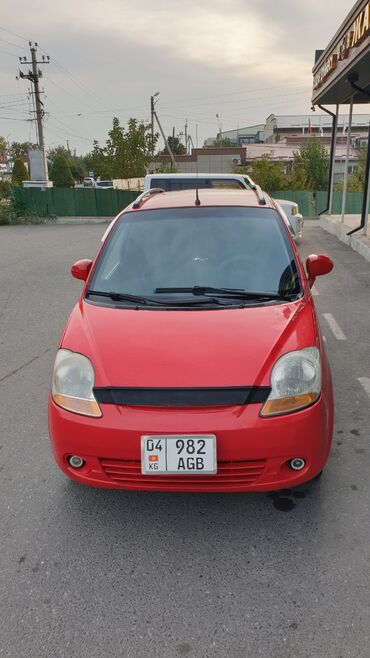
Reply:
x=184, y=454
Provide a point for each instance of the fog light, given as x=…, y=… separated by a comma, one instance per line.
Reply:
x=297, y=463
x=75, y=461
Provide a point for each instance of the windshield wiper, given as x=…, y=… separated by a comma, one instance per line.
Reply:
x=231, y=293
x=147, y=301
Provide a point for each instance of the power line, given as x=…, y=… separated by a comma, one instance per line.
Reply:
x=71, y=131
x=11, y=43
x=75, y=81
x=5, y=52
x=62, y=133
x=13, y=119
x=231, y=93
x=14, y=34
x=240, y=101
x=56, y=84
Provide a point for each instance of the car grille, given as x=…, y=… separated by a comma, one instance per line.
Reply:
x=229, y=474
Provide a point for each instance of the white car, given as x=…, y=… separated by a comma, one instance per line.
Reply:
x=173, y=182
x=291, y=210
x=104, y=185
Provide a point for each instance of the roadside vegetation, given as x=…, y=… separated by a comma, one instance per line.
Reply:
x=308, y=172
x=13, y=211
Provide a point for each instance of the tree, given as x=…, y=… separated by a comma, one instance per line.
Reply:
x=3, y=145
x=219, y=142
x=268, y=175
x=19, y=173
x=311, y=166
x=60, y=172
x=76, y=163
x=135, y=147
x=101, y=163
x=20, y=148
x=175, y=145
x=356, y=180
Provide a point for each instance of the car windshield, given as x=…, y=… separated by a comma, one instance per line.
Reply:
x=104, y=183
x=221, y=247
x=174, y=184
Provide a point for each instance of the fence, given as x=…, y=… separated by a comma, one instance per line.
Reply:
x=353, y=202
x=80, y=202
x=305, y=200
x=73, y=202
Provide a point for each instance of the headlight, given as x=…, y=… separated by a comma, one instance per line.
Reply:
x=73, y=383
x=295, y=382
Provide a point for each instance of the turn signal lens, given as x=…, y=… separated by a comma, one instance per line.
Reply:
x=285, y=405
x=78, y=406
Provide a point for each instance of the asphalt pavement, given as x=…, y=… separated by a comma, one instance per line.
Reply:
x=88, y=573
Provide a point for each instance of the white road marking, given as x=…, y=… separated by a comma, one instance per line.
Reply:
x=314, y=291
x=365, y=383
x=334, y=326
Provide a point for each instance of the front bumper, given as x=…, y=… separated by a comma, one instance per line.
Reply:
x=252, y=452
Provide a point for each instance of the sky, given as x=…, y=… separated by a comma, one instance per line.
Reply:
x=219, y=64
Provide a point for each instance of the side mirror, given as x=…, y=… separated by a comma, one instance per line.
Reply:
x=316, y=265
x=81, y=269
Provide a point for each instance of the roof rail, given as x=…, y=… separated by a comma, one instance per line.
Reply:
x=251, y=182
x=260, y=195
x=144, y=196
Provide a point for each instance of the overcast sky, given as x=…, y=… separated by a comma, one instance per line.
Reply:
x=238, y=59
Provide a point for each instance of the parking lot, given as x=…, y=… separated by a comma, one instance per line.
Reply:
x=100, y=573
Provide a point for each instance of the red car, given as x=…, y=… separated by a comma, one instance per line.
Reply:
x=193, y=360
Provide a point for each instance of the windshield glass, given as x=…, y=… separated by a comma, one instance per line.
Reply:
x=104, y=183
x=227, y=247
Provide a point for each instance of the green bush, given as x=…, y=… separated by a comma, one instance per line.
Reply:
x=19, y=173
x=15, y=211
x=60, y=172
x=5, y=189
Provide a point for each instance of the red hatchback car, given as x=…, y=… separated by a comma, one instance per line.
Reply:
x=193, y=360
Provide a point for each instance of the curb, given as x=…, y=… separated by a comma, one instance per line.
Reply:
x=359, y=243
x=83, y=220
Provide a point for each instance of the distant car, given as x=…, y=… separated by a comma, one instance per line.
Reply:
x=193, y=360
x=104, y=184
x=175, y=182
x=296, y=219
x=88, y=182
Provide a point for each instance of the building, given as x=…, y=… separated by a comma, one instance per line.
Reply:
x=240, y=136
x=205, y=160
x=279, y=128
x=341, y=77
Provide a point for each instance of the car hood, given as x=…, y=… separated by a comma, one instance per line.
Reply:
x=192, y=348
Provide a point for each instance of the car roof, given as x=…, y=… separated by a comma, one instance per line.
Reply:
x=211, y=197
x=186, y=198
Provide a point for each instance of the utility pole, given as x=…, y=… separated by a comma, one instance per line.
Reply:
x=152, y=104
x=38, y=165
x=186, y=136
x=34, y=77
x=173, y=161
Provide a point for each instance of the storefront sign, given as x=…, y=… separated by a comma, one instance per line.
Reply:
x=358, y=31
